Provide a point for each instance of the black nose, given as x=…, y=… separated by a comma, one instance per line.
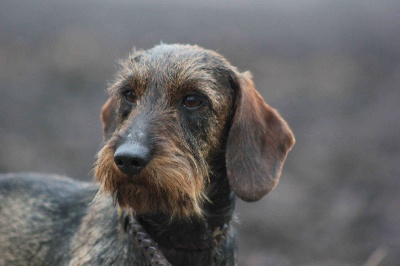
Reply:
x=131, y=158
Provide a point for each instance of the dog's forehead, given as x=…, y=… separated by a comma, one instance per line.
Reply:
x=176, y=69
x=181, y=55
x=177, y=64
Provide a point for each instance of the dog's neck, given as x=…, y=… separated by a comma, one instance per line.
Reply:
x=217, y=213
x=203, y=234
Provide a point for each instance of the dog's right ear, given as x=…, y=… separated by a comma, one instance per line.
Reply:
x=107, y=117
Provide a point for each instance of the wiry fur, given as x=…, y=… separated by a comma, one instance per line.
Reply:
x=169, y=167
x=234, y=144
x=179, y=158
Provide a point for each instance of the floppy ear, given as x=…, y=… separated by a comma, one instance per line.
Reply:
x=107, y=117
x=258, y=142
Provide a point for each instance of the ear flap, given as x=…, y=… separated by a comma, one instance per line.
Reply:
x=107, y=117
x=258, y=142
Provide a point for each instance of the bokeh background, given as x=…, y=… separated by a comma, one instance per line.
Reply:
x=332, y=69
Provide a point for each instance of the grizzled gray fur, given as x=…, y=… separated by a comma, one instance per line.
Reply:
x=185, y=134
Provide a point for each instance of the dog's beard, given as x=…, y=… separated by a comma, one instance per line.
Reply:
x=172, y=183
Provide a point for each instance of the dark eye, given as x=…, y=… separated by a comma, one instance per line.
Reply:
x=192, y=101
x=130, y=96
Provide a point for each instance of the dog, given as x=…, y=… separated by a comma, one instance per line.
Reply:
x=185, y=133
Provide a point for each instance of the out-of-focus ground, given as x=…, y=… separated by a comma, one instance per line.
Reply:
x=332, y=69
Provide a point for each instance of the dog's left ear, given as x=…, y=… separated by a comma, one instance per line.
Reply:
x=107, y=117
x=258, y=142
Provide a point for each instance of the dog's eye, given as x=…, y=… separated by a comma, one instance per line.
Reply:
x=130, y=96
x=192, y=101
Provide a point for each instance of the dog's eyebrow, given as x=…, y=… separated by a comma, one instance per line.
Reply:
x=116, y=88
x=210, y=90
x=127, y=82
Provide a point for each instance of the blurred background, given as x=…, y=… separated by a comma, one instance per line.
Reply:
x=332, y=69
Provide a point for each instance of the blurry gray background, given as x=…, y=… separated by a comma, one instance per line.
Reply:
x=332, y=69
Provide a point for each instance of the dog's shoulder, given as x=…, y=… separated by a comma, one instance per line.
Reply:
x=38, y=215
x=101, y=240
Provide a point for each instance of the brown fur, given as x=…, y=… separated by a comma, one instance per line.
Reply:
x=195, y=161
x=174, y=181
x=257, y=146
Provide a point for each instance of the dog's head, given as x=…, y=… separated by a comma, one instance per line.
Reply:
x=172, y=111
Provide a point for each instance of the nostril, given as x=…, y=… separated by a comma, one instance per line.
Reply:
x=119, y=162
x=136, y=163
